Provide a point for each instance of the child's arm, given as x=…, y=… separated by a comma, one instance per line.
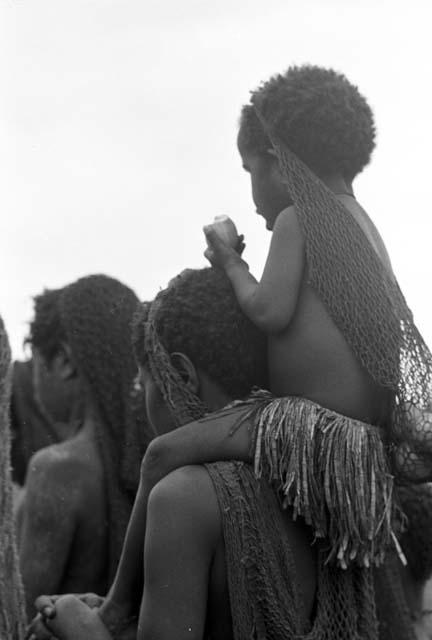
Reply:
x=271, y=303
x=220, y=436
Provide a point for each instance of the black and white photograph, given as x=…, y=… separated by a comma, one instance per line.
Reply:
x=215, y=320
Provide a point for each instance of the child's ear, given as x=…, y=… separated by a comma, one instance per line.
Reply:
x=187, y=370
x=274, y=163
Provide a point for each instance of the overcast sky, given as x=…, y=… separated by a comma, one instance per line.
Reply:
x=118, y=129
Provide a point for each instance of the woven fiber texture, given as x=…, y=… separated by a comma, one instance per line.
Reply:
x=395, y=622
x=12, y=613
x=332, y=470
x=265, y=592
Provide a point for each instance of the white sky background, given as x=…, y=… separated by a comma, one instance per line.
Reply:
x=118, y=127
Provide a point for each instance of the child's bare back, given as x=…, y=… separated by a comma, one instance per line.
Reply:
x=311, y=358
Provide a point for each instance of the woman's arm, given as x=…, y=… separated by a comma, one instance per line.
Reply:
x=49, y=521
x=183, y=529
x=270, y=303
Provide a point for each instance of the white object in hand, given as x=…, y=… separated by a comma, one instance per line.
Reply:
x=226, y=230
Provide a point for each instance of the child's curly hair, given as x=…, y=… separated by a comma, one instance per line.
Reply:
x=318, y=114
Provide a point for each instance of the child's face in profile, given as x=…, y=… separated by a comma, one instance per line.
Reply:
x=268, y=191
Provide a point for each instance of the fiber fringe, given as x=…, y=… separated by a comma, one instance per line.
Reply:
x=332, y=470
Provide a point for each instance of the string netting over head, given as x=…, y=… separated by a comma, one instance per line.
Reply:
x=366, y=303
x=184, y=405
x=97, y=312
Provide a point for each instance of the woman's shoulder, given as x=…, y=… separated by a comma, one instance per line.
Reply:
x=187, y=495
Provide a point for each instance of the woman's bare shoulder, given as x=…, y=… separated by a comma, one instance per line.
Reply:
x=187, y=495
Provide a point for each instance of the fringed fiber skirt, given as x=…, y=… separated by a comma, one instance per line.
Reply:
x=332, y=470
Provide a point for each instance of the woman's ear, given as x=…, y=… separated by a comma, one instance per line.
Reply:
x=187, y=370
x=272, y=157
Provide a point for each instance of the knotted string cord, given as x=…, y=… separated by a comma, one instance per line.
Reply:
x=184, y=405
x=367, y=305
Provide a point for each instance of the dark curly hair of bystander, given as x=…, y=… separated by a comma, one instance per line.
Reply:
x=46, y=329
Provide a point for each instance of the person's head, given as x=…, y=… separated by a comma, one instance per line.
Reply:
x=212, y=350
x=82, y=333
x=320, y=117
x=55, y=387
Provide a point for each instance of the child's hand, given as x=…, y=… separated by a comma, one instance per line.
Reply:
x=218, y=252
x=241, y=244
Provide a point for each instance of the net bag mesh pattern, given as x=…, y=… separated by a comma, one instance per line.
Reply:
x=265, y=591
